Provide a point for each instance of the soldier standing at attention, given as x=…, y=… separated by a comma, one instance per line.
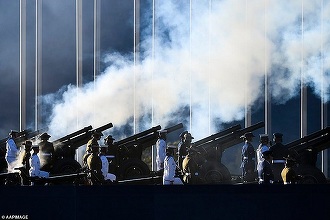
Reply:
x=161, y=150
x=96, y=136
x=46, y=149
x=112, y=150
x=94, y=164
x=265, y=173
x=184, y=147
x=12, y=150
x=248, y=155
x=170, y=168
x=263, y=146
x=105, y=165
x=279, y=151
x=181, y=142
x=190, y=168
x=26, y=161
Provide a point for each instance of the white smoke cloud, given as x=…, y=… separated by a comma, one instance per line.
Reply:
x=211, y=67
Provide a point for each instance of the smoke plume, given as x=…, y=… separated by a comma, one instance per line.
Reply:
x=212, y=62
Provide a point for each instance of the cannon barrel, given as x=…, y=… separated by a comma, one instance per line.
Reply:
x=138, y=135
x=307, y=138
x=80, y=137
x=232, y=138
x=21, y=137
x=74, y=134
x=216, y=135
x=318, y=141
x=151, y=138
x=173, y=128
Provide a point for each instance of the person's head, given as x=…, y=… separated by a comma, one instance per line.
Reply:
x=277, y=137
x=266, y=153
x=188, y=137
x=170, y=149
x=97, y=135
x=95, y=147
x=13, y=133
x=35, y=149
x=182, y=135
x=264, y=139
x=108, y=140
x=27, y=145
x=248, y=136
x=44, y=136
x=162, y=135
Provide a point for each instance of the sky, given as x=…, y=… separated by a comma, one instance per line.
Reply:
x=201, y=70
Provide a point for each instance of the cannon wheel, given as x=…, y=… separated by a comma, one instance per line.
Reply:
x=213, y=173
x=66, y=166
x=311, y=175
x=133, y=168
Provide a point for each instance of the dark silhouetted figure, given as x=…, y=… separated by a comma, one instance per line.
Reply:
x=248, y=155
x=112, y=151
x=94, y=164
x=46, y=151
x=182, y=151
x=190, y=168
x=279, y=151
x=265, y=173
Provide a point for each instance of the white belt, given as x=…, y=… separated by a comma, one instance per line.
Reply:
x=278, y=161
x=245, y=158
x=286, y=183
x=46, y=154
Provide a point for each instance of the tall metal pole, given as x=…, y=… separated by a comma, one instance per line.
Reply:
x=303, y=89
x=209, y=72
x=324, y=106
x=96, y=44
x=79, y=59
x=97, y=29
x=153, y=149
x=79, y=52
x=248, y=117
x=190, y=62
x=268, y=125
x=22, y=64
x=136, y=56
x=38, y=66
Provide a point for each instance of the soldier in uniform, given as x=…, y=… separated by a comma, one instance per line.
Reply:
x=94, y=164
x=181, y=142
x=288, y=174
x=263, y=146
x=26, y=161
x=161, y=150
x=112, y=150
x=105, y=165
x=190, y=168
x=279, y=151
x=96, y=136
x=183, y=148
x=12, y=150
x=35, y=164
x=46, y=150
x=265, y=173
x=248, y=155
x=169, y=175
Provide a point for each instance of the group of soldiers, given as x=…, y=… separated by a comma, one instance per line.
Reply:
x=95, y=159
x=37, y=160
x=165, y=159
x=28, y=164
x=274, y=162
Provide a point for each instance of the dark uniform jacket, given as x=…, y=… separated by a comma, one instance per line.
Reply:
x=248, y=163
x=279, y=151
